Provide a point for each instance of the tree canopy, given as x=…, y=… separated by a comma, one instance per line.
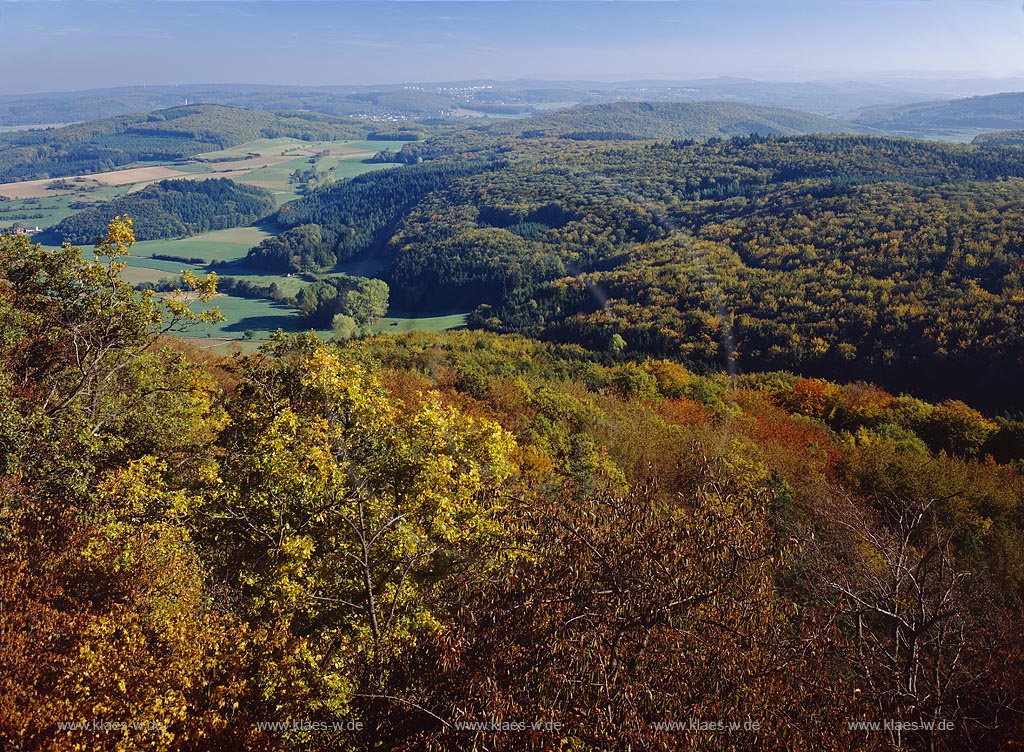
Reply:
x=172, y=208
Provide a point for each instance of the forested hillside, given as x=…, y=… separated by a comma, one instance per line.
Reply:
x=671, y=120
x=837, y=256
x=623, y=121
x=172, y=208
x=345, y=219
x=1000, y=138
x=162, y=135
x=408, y=539
x=993, y=112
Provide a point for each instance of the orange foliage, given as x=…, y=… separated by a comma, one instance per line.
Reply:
x=684, y=411
x=862, y=404
x=796, y=445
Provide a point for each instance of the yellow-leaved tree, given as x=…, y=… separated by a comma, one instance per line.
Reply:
x=342, y=514
x=105, y=608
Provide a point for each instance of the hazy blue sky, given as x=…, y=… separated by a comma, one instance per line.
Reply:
x=53, y=46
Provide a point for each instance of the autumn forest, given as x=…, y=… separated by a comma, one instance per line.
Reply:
x=719, y=444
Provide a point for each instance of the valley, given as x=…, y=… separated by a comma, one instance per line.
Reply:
x=511, y=415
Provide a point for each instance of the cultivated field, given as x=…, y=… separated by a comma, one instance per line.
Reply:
x=132, y=176
x=230, y=163
x=267, y=163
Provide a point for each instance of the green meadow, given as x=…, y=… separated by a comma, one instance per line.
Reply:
x=347, y=167
x=263, y=317
x=242, y=315
x=262, y=147
x=220, y=245
x=277, y=178
x=399, y=325
x=48, y=210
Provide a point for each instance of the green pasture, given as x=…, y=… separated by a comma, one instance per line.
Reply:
x=220, y=245
x=399, y=324
x=135, y=275
x=350, y=168
x=30, y=212
x=275, y=178
x=288, y=285
x=171, y=268
x=262, y=317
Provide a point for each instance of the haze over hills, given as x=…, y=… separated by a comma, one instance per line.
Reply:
x=418, y=100
x=918, y=108
x=180, y=132
x=659, y=120
x=170, y=134
x=1003, y=111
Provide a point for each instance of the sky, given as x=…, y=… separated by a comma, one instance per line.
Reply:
x=67, y=46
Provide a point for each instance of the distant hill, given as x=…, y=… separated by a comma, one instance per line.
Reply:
x=662, y=120
x=442, y=99
x=163, y=135
x=624, y=121
x=937, y=119
x=1000, y=138
x=69, y=107
x=405, y=101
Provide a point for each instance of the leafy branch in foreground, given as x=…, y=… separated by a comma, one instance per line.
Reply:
x=104, y=324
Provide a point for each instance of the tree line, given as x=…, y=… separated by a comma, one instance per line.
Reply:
x=171, y=209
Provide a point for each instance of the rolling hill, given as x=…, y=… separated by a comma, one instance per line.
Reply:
x=947, y=119
x=578, y=241
x=81, y=106
x=646, y=120
x=170, y=209
x=163, y=135
x=1000, y=138
x=522, y=97
x=623, y=121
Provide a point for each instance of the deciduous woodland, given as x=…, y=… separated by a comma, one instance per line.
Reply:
x=841, y=257
x=413, y=534
x=512, y=377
